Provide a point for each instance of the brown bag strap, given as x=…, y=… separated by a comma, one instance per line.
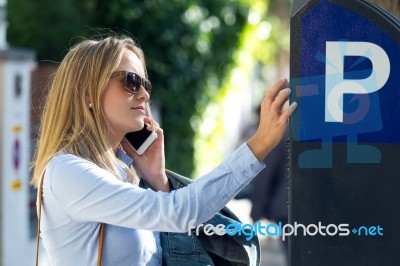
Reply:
x=40, y=191
x=101, y=233
x=100, y=246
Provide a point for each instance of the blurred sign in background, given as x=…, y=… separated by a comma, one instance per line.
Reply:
x=15, y=140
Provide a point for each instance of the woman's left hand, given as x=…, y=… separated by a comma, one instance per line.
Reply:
x=151, y=165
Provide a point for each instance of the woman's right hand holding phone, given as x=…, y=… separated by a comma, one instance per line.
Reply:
x=274, y=119
x=151, y=165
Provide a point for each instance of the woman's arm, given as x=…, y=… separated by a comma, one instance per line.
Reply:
x=88, y=193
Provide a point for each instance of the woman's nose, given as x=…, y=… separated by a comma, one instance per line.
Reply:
x=142, y=94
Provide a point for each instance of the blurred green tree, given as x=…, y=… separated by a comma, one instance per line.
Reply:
x=189, y=47
x=44, y=25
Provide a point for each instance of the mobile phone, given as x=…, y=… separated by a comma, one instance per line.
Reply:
x=142, y=139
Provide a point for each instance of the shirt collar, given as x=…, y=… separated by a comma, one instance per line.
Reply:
x=124, y=157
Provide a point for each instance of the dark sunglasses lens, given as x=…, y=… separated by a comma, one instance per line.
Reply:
x=132, y=82
x=148, y=86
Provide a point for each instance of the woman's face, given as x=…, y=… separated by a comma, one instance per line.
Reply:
x=124, y=111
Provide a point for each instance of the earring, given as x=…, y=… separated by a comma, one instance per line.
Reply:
x=90, y=106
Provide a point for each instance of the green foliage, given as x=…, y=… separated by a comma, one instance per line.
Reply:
x=189, y=47
x=44, y=25
x=263, y=39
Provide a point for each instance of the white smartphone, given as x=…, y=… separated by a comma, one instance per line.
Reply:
x=142, y=139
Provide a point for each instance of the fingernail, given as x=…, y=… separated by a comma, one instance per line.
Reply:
x=288, y=91
x=293, y=105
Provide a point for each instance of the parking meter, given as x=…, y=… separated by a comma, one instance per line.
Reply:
x=344, y=175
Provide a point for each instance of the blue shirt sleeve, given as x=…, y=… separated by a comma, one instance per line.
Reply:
x=86, y=192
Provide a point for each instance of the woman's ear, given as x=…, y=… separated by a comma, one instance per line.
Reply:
x=89, y=102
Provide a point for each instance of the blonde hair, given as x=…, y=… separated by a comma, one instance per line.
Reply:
x=67, y=123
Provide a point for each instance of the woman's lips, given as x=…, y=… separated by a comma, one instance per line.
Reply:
x=138, y=108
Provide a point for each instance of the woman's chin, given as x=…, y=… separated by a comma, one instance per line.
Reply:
x=137, y=127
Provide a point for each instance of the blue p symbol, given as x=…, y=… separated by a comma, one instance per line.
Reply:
x=335, y=84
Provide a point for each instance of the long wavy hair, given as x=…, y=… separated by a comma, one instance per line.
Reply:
x=68, y=125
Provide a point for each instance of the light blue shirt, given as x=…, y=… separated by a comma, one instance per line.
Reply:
x=78, y=196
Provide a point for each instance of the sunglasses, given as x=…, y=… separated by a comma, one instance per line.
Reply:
x=133, y=82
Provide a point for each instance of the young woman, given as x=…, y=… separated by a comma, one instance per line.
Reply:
x=90, y=171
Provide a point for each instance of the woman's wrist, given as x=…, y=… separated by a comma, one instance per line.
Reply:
x=258, y=147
